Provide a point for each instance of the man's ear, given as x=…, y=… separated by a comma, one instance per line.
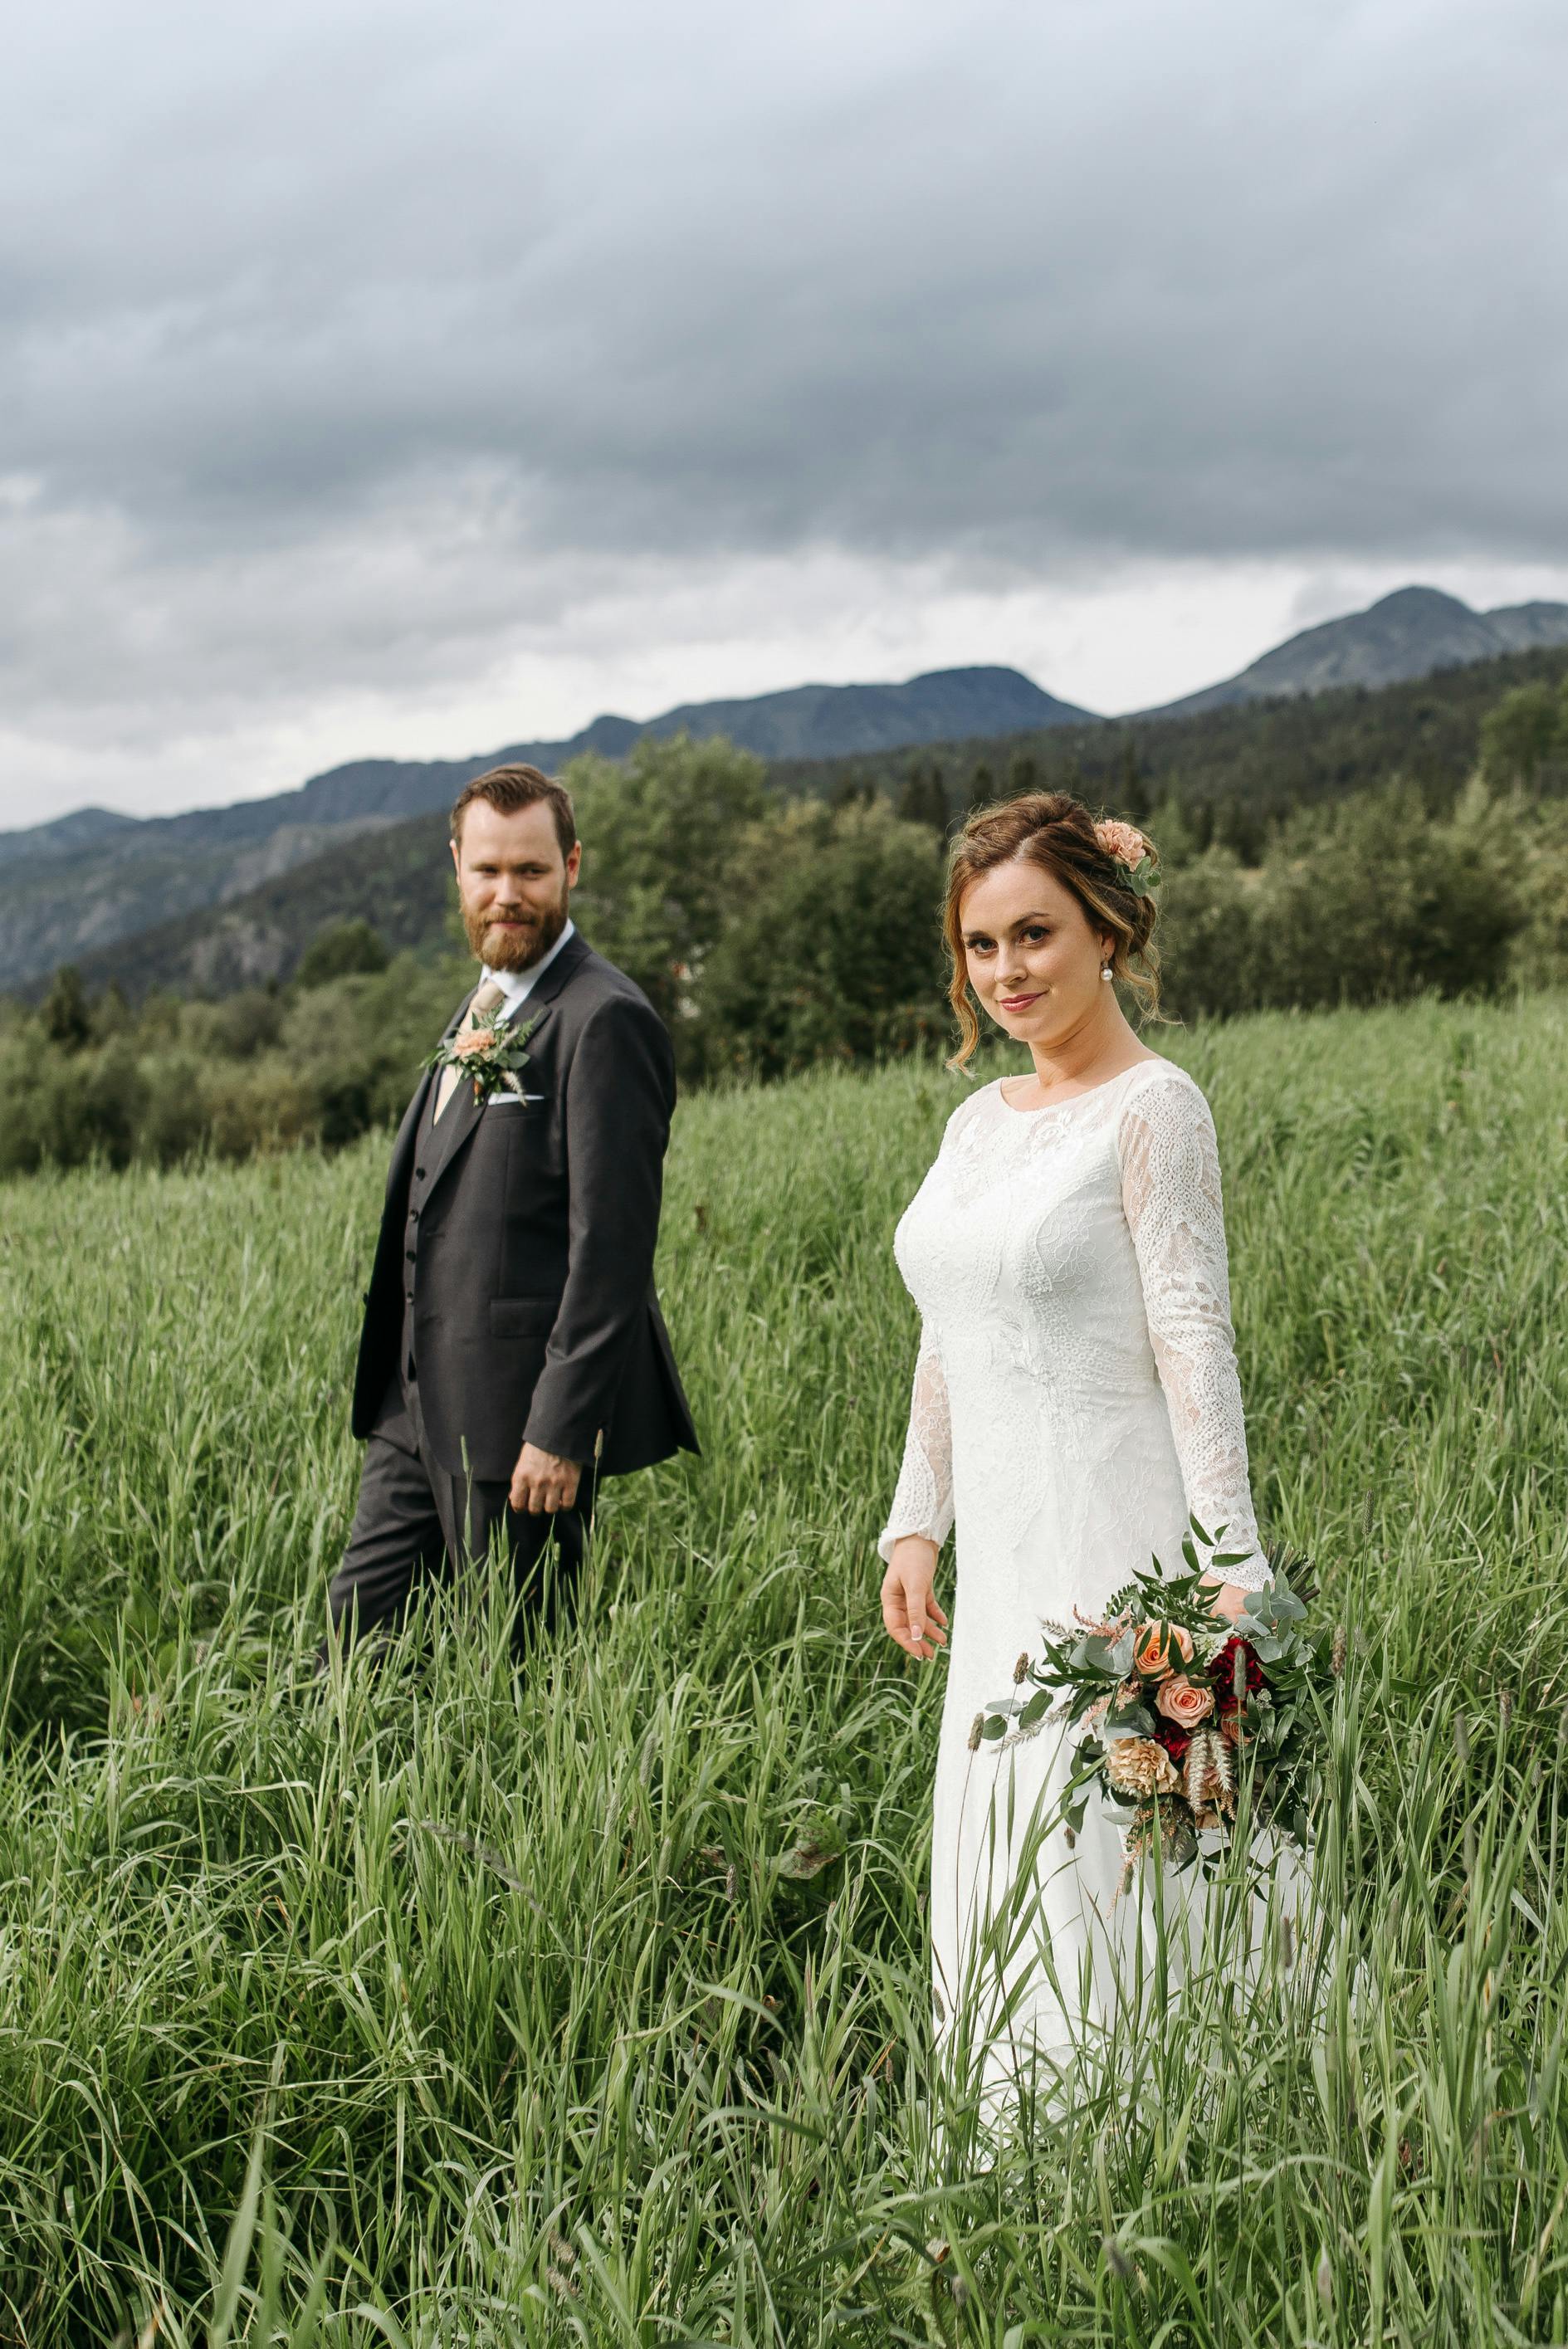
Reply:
x=456, y=858
x=574, y=863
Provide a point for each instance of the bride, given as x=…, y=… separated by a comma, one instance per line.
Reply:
x=1075, y=1397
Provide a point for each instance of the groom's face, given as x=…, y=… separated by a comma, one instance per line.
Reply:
x=513, y=882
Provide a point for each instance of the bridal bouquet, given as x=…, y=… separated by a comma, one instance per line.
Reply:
x=1177, y=1705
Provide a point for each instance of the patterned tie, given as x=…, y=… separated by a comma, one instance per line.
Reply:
x=478, y=1015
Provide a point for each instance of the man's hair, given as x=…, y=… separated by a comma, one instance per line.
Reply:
x=508, y=789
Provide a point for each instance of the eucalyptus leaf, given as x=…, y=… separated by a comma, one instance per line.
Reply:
x=1130, y=1718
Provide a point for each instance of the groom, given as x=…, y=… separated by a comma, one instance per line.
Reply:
x=513, y=1350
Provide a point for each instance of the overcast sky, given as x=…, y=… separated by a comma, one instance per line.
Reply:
x=377, y=379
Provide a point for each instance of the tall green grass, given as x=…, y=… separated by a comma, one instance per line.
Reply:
x=442, y=2006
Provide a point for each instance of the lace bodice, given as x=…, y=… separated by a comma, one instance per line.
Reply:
x=1069, y=1264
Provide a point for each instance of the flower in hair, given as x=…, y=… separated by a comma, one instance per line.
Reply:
x=1125, y=844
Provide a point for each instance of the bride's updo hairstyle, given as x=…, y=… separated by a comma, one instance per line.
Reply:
x=1056, y=832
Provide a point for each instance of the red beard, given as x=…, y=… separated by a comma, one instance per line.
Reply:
x=515, y=949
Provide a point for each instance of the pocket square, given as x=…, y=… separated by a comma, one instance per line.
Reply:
x=506, y=1099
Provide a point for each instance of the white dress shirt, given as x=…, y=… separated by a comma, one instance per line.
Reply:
x=517, y=985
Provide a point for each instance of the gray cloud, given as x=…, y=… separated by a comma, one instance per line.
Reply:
x=346, y=351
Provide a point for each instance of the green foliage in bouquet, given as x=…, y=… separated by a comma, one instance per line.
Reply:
x=1189, y=1722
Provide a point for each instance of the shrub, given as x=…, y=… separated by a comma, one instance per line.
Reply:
x=173, y=1121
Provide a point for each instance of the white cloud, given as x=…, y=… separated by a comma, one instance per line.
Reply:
x=376, y=377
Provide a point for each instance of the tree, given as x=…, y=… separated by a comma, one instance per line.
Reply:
x=833, y=948
x=110, y=1013
x=1132, y=792
x=1206, y=936
x=338, y=951
x=67, y=1021
x=1521, y=732
x=657, y=832
x=1371, y=901
x=922, y=798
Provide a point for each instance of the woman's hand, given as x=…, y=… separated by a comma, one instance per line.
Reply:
x=1229, y=1599
x=908, y=1610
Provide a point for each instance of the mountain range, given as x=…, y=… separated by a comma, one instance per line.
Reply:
x=809, y=721
x=1412, y=633
x=77, y=887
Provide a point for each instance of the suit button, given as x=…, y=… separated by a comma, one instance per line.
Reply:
x=418, y=1174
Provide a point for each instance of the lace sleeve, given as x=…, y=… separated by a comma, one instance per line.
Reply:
x=923, y=1500
x=1170, y=1195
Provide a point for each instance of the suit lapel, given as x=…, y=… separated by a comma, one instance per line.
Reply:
x=462, y=1113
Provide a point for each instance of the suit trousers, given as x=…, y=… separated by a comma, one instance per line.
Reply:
x=416, y=1521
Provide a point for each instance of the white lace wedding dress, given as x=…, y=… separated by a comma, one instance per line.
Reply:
x=1076, y=1396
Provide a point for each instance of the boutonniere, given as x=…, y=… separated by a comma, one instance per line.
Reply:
x=489, y=1056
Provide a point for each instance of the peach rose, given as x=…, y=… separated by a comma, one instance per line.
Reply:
x=1185, y=1701
x=1137, y=1765
x=1153, y=1646
x=1123, y=840
x=474, y=1040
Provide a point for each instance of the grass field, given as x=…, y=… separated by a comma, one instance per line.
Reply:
x=451, y=2009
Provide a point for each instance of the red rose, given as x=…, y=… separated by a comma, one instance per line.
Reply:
x=1222, y=1669
x=1175, y=1741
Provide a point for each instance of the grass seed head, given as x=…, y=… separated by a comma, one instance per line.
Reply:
x=1116, y=2260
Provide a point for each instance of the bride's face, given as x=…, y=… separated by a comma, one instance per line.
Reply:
x=1032, y=956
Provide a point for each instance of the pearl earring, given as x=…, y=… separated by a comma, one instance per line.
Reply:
x=1106, y=972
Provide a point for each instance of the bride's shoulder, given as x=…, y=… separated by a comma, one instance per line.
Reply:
x=1159, y=1092
x=972, y=1105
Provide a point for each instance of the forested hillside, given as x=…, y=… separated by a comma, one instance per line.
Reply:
x=1233, y=771
x=773, y=931
x=1226, y=776
x=90, y=880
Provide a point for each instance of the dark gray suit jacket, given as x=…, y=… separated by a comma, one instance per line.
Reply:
x=524, y=1235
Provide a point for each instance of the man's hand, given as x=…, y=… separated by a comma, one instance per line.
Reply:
x=543, y=1482
x=909, y=1612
